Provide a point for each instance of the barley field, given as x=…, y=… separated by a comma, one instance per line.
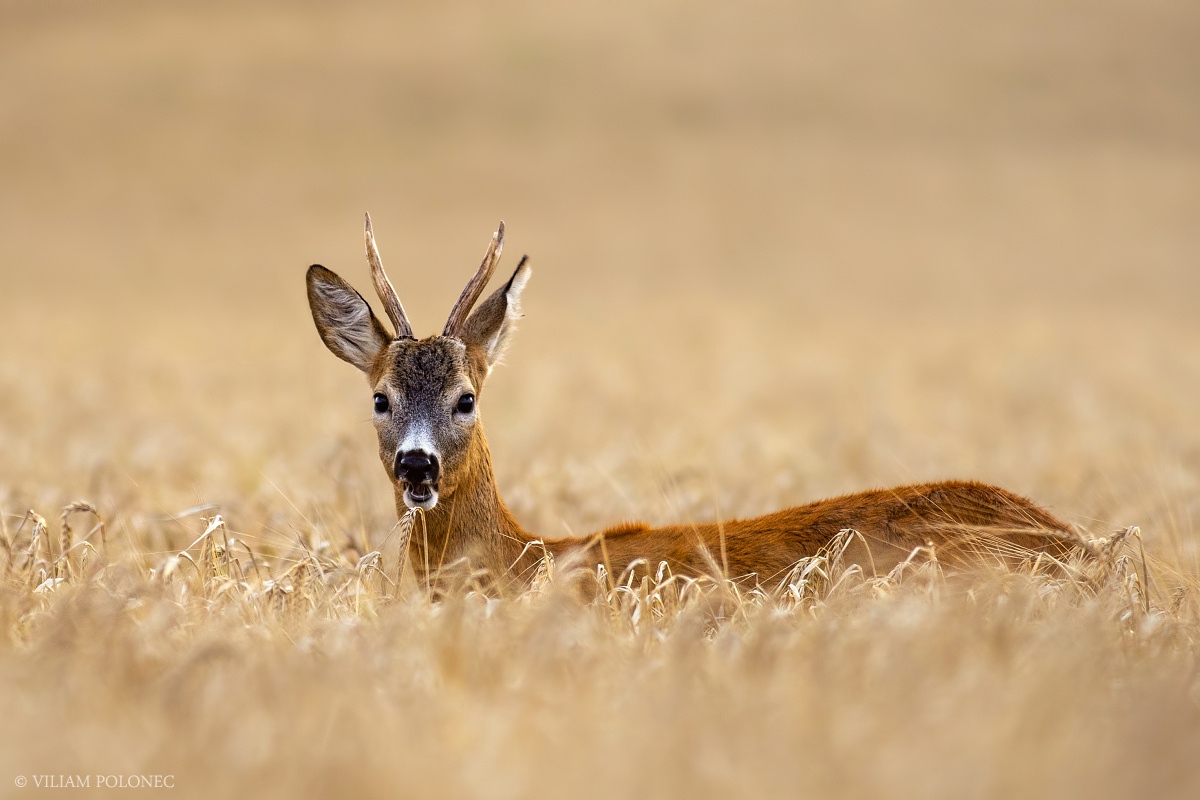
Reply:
x=781, y=251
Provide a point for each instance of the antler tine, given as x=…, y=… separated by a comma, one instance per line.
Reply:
x=387, y=293
x=469, y=295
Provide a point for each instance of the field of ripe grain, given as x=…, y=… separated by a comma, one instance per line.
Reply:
x=781, y=251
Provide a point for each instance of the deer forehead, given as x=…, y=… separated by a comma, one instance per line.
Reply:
x=426, y=369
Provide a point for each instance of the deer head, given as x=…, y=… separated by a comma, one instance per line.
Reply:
x=425, y=392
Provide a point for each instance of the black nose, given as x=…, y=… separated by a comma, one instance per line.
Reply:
x=415, y=467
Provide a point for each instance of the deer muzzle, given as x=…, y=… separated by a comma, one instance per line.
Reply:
x=420, y=472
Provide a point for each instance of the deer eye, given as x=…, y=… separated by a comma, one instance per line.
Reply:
x=381, y=403
x=466, y=404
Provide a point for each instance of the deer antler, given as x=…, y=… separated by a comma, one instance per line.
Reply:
x=469, y=295
x=387, y=294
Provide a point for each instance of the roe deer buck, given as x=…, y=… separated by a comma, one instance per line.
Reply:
x=433, y=448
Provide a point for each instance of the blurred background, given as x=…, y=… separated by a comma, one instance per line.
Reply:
x=781, y=250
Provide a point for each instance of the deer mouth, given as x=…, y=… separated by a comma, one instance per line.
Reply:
x=421, y=495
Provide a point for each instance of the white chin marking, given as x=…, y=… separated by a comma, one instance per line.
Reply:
x=424, y=505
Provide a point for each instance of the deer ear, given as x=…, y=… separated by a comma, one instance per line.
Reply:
x=489, y=328
x=346, y=323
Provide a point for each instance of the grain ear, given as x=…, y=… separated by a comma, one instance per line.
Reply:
x=489, y=329
x=345, y=322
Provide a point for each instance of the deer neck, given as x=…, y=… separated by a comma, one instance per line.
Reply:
x=471, y=525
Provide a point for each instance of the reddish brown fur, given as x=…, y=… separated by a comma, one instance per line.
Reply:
x=962, y=520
